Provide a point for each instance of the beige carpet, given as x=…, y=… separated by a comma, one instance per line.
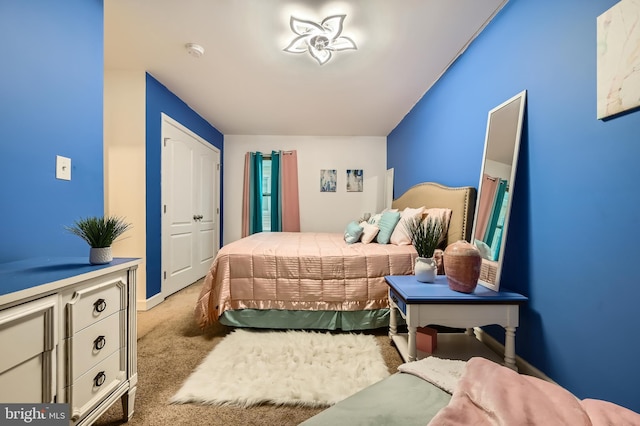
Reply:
x=170, y=346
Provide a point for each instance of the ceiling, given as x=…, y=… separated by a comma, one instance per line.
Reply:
x=246, y=84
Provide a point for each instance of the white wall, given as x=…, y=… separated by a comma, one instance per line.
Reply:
x=319, y=211
x=496, y=169
x=124, y=163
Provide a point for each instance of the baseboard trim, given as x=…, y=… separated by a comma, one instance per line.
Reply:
x=145, y=305
x=523, y=366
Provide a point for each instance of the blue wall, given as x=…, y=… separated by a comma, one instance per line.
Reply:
x=160, y=100
x=573, y=239
x=51, y=82
x=51, y=103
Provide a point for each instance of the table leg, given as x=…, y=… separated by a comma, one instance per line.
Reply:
x=510, y=348
x=127, y=401
x=412, y=344
x=393, y=321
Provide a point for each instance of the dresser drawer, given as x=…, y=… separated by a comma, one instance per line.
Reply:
x=94, y=303
x=95, y=384
x=26, y=331
x=27, y=351
x=25, y=383
x=93, y=344
x=401, y=304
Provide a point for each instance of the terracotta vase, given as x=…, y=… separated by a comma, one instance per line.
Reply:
x=426, y=269
x=462, y=262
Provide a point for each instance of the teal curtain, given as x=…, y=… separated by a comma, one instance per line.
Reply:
x=276, y=192
x=283, y=189
x=496, y=211
x=497, y=238
x=255, y=193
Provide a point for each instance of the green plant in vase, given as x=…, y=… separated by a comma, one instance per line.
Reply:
x=425, y=236
x=99, y=232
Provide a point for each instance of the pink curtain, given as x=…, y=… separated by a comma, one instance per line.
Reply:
x=485, y=204
x=246, y=195
x=290, y=198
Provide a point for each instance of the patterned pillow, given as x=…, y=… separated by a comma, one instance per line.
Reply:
x=373, y=220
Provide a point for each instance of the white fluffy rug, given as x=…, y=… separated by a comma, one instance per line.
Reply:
x=284, y=367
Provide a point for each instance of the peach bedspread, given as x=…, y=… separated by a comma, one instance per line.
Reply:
x=300, y=271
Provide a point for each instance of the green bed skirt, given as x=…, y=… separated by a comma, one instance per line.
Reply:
x=307, y=320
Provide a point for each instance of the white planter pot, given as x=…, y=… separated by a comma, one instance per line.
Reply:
x=426, y=269
x=100, y=256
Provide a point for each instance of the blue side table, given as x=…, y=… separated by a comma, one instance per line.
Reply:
x=422, y=304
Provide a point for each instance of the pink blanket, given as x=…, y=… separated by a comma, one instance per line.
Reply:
x=300, y=271
x=490, y=394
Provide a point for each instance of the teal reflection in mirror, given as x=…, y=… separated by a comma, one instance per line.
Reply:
x=496, y=187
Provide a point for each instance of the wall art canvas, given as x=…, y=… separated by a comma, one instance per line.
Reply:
x=618, y=57
x=354, y=180
x=328, y=180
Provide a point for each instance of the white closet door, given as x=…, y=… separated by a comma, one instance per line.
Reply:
x=190, y=193
x=205, y=206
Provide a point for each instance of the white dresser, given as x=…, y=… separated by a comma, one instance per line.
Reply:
x=68, y=334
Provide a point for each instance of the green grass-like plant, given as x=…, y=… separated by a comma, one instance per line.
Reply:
x=425, y=235
x=99, y=232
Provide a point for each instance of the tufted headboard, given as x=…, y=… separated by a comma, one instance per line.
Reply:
x=461, y=200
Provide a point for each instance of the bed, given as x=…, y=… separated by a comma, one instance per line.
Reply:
x=305, y=280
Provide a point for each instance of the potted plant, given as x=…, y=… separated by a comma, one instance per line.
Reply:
x=425, y=236
x=99, y=232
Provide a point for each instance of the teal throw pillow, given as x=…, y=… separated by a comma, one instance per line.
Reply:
x=353, y=232
x=387, y=224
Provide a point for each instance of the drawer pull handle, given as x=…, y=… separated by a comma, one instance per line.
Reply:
x=99, y=379
x=99, y=343
x=100, y=305
x=395, y=299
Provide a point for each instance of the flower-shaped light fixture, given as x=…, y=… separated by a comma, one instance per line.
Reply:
x=320, y=40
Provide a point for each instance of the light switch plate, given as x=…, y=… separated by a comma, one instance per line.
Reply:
x=63, y=168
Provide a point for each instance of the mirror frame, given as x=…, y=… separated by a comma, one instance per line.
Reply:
x=490, y=268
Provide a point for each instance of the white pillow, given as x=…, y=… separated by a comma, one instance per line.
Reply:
x=369, y=232
x=444, y=215
x=484, y=249
x=400, y=236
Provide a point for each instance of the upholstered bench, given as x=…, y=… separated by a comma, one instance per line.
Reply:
x=400, y=399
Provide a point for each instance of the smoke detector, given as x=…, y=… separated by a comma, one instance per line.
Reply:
x=194, y=50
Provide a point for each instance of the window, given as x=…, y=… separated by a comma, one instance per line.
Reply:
x=266, y=193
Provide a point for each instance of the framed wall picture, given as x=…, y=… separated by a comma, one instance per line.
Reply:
x=354, y=180
x=618, y=59
x=328, y=180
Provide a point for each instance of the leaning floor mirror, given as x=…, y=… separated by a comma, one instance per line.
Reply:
x=496, y=187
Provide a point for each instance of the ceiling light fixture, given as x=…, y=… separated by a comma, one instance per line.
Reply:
x=320, y=40
x=194, y=50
